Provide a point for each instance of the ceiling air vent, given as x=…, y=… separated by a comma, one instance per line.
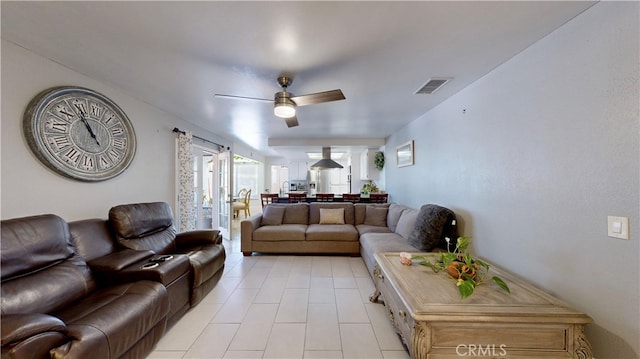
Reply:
x=432, y=85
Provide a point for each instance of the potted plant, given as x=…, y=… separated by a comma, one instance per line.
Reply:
x=467, y=271
x=378, y=160
x=369, y=187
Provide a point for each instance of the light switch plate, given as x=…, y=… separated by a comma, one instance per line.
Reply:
x=618, y=227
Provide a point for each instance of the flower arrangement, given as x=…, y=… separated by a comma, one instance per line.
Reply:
x=369, y=187
x=468, y=272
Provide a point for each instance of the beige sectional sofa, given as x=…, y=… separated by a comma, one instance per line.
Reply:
x=347, y=228
x=296, y=228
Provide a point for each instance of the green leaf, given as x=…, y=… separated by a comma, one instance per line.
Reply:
x=501, y=284
x=468, y=260
x=462, y=244
x=465, y=288
x=482, y=264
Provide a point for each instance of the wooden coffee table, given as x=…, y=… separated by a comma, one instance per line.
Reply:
x=434, y=322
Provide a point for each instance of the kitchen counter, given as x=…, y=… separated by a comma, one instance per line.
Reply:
x=284, y=198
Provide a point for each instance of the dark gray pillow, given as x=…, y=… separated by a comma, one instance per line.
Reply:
x=376, y=216
x=272, y=215
x=433, y=223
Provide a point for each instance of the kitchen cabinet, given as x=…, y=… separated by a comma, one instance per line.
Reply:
x=298, y=170
x=368, y=170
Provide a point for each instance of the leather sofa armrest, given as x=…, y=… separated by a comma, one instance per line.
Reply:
x=119, y=260
x=198, y=238
x=18, y=327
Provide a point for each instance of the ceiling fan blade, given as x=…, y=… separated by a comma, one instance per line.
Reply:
x=291, y=121
x=233, y=97
x=319, y=97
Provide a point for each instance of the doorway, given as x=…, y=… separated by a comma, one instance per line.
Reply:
x=211, y=189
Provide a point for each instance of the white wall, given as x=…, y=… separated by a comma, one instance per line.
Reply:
x=548, y=147
x=30, y=188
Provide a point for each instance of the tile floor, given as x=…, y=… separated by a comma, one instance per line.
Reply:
x=285, y=307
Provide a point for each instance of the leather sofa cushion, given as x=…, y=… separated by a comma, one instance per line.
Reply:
x=139, y=219
x=40, y=271
x=111, y=321
x=205, y=263
x=48, y=290
x=92, y=238
x=284, y=232
x=33, y=243
x=144, y=226
x=332, y=232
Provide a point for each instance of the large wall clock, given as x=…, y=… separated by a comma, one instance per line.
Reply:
x=79, y=133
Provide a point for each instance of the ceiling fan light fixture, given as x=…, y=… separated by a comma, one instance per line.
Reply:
x=284, y=108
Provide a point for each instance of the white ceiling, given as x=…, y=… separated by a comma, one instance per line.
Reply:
x=177, y=55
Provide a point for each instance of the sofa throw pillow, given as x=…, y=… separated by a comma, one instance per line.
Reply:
x=296, y=213
x=376, y=216
x=331, y=215
x=407, y=222
x=433, y=223
x=395, y=211
x=272, y=215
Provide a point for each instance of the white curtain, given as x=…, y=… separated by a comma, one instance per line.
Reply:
x=186, y=190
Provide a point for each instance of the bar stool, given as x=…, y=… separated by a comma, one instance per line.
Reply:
x=378, y=197
x=267, y=198
x=297, y=197
x=325, y=197
x=351, y=197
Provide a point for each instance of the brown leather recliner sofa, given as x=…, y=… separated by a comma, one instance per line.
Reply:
x=53, y=306
x=149, y=226
x=74, y=290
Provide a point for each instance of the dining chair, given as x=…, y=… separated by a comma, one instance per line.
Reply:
x=378, y=197
x=297, y=197
x=242, y=205
x=240, y=196
x=267, y=198
x=351, y=197
x=325, y=197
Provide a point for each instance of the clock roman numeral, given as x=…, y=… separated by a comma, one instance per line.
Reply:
x=119, y=143
x=117, y=131
x=81, y=107
x=60, y=142
x=114, y=154
x=56, y=125
x=110, y=118
x=64, y=112
x=73, y=156
x=103, y=162
x=88, y=162
x=96, y=110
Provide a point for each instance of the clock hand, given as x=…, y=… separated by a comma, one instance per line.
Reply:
x=86, y=124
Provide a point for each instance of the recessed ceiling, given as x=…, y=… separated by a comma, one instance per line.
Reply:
x=177, y=55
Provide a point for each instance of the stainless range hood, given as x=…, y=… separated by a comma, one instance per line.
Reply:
x=326, y=163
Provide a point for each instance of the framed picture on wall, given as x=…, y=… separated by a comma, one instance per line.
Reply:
x=404, y=154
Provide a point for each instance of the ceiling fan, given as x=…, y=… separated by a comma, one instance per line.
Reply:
x=285, y=102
